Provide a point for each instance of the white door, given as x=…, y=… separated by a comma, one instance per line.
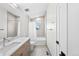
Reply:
x=73, y=29
x=58, y=30
x=62, y=28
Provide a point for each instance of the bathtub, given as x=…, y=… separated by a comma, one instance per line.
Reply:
x=37, y=41
x=40, y=41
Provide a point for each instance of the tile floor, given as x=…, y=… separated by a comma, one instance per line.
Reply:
x=39, y=50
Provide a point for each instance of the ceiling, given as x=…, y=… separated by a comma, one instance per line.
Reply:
x=35, y=9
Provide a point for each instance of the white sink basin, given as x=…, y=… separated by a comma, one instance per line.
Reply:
x=11, y=46
x=8, y=42
x=8, y=47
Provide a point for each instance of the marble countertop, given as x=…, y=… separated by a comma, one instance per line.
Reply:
x=10, y=48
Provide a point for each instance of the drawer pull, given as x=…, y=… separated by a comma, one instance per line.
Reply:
x=21, y=54
x=57, y=42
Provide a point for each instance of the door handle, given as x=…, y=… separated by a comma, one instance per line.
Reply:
x=57, y=42
x=62, y=54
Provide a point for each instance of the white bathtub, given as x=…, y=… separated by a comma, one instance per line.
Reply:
x=37, y=41
x=40, y=41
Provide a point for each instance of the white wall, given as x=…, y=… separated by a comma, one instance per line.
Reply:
x=3, y=20
x=24, y=23
x=3, y=23
x=41, y=31
x=51, y=34
x=73, y=29
x=32, y=30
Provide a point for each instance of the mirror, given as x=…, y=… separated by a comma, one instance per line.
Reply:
x=12, y=25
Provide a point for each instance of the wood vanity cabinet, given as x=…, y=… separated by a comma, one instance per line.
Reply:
x=24, y=50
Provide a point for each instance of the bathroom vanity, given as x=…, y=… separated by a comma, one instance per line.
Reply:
x=23, y=50
x=20, y=46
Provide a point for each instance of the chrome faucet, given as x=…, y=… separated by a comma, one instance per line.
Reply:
x=4, y=42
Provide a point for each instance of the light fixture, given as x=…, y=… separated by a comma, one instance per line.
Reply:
x=13, y=5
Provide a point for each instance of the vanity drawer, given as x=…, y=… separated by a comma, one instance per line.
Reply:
x=19, y=52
